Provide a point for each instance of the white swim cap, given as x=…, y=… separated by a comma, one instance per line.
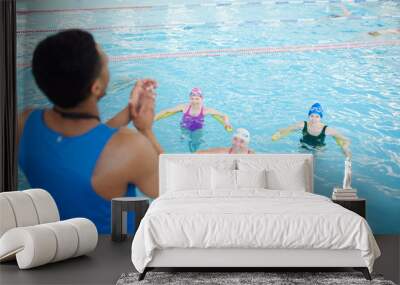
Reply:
x=242, y=134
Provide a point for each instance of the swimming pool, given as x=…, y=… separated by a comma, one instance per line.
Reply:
x=261, y=62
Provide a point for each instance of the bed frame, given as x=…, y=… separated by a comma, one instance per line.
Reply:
x=248, y=259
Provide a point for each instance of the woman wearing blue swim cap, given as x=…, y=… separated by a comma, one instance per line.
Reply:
x=314, y=131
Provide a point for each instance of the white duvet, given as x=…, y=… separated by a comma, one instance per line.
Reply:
x=250, y=219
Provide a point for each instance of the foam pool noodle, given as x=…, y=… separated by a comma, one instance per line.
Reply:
x=339, y=141
x=165, y=115
x=220, y=119
x=281, y=134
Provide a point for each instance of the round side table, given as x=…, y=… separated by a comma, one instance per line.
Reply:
x=119, y=209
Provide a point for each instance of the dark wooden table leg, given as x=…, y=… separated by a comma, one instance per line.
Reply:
x=124, y=221
x=116, y=221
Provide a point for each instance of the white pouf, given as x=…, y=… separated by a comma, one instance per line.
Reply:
x=31, y=233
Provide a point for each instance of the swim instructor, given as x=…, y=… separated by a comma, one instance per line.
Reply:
x=67, y=150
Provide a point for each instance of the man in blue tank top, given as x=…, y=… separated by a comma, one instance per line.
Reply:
x=67, y=150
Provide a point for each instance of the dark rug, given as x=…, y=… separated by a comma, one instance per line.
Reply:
x=229, y=278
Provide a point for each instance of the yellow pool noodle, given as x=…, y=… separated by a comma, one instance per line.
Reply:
x=281, y=134
x=165, y=115
x=339, y=141
x=220, y=119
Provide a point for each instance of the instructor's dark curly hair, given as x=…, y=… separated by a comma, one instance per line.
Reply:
x=65, y=65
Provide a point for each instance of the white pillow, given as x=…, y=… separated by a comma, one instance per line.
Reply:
x=282, y=174
x=183, y=177
x=251, y=178
x=223, y=179
x=293, y=179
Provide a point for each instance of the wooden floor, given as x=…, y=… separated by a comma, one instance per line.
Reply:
x=111, y=259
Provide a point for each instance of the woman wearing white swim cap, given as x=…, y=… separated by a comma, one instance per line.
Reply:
x=240, y=144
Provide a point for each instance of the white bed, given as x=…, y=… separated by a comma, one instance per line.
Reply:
x=247, y=211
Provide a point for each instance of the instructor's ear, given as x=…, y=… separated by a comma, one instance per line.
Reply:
x=98, y=88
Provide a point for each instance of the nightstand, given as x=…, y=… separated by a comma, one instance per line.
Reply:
x=119, y=208
x=358, y=205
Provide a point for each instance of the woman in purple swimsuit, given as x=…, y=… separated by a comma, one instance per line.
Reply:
x=193, y=118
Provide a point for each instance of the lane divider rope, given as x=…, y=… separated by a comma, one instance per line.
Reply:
x=189, y=6
x=199, y=24
x=248, y=51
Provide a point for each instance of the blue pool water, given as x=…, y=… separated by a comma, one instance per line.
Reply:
x=358, y=86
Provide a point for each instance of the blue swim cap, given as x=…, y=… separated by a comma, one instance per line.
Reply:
x=316, y=108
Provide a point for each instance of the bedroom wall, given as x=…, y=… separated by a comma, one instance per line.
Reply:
x=389, y=263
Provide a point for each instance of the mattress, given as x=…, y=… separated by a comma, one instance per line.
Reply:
x=251, y=218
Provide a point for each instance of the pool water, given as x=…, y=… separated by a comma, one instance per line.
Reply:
x=264, y=63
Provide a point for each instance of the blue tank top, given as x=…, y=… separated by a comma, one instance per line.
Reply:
x=64, y=165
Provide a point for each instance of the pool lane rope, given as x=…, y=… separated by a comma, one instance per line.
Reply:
x=248, y=51
x=200, y=24
x=190, y=6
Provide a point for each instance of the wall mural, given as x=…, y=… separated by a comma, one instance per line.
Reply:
x=229, y=83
